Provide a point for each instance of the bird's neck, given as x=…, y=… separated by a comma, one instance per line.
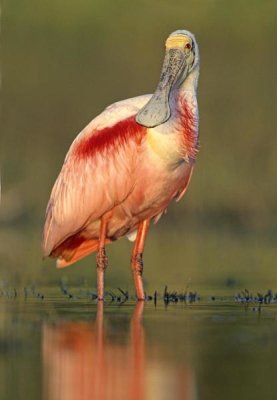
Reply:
x=191, y=82
x=177, y=139
x=186, y=112
x=187, y=91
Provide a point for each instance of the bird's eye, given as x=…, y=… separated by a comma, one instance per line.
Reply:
x=188, y=46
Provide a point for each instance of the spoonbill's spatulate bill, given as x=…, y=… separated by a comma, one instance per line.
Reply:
x=126, y=166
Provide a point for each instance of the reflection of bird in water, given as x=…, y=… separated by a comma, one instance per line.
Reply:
x=126, y=166
x=81, y=361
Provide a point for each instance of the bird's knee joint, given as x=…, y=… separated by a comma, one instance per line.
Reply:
x=101, y=259
x=137, y=263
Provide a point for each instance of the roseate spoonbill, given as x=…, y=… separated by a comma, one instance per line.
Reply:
x=126, y=166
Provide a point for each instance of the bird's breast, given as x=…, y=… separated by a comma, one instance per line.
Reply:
x=165, y=147
x=176, y=140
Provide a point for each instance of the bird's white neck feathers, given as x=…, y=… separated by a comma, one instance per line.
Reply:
x=165, y=140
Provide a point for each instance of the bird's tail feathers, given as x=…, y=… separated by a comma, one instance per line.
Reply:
x=70, y=256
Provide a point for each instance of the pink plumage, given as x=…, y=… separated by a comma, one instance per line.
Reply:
x=124, y=169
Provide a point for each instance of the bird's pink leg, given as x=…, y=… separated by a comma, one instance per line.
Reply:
x=136, y=260
x=101, y=259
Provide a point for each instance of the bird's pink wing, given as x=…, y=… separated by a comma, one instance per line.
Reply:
x=97, y=173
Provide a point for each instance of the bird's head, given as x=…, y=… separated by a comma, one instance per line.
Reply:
x=180, y=61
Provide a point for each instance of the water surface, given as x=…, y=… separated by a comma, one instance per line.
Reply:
x=61, y=348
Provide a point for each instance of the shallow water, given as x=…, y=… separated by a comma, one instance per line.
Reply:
x=73, y=348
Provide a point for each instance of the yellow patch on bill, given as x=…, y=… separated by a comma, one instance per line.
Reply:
x=177, y=41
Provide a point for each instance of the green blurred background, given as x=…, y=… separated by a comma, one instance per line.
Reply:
x=63, y=62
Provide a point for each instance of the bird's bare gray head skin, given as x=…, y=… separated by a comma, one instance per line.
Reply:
x=181, y=57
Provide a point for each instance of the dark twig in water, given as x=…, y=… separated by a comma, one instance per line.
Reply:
x=92, y=295
x=246, y=297
x=31, y=291
x=155, y=297
x=125, y=293
x=165, y=295
x=111, y=294
x=175, y=297
x=65, y=291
